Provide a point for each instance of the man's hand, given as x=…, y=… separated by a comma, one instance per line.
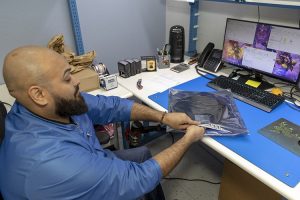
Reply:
x=179, y=121
x=169, y=158
x=194, y=133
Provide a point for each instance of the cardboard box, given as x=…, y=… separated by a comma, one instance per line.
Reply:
x=89, y=80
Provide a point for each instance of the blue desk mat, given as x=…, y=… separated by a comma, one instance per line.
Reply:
x=254, y=147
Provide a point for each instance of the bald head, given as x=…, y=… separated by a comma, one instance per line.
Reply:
x=27, y=65
x=39, y=79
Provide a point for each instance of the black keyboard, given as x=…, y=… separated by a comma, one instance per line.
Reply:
x=253, y=96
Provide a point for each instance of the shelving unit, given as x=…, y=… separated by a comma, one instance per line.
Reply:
x=272, y=3
x=194, y=13
x=76, y=27
x=193, y=31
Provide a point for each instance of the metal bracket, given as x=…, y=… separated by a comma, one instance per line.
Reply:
x=193, y=38
x=76, y=27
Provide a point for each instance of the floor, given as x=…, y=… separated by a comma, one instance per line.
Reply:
x=199, y=162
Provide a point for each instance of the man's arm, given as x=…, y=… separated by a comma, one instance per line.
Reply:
x=170, y=157
x=175, y=120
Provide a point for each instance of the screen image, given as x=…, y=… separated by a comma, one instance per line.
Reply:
x=269, y=49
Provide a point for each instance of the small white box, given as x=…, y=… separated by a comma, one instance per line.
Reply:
x=109, y=82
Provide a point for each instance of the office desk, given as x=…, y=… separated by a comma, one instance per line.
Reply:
x=219, y=144
x=119, y=91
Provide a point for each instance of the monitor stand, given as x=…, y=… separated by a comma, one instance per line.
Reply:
x=264, y=85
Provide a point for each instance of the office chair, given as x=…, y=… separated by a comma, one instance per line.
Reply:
x=3, y=113
x=102, y=134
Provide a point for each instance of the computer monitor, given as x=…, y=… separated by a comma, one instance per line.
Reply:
x=267, y=49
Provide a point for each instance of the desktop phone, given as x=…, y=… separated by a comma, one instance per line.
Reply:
x=210, y=58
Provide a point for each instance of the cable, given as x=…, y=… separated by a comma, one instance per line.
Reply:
x=282, y=84
x=201, y=73
x=294, y=107
x=292, y=99
x=196, y=179
x=299, y=20
x=291, y=90
x=258, y=14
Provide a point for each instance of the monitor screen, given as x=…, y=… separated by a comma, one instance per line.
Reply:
x=265, y=48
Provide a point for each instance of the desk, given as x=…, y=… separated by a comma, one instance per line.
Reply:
x=243, y=163
x=119, y=91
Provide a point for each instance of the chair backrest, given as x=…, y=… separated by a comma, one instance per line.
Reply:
x=3, y=113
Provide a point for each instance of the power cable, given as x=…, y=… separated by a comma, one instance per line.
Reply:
x=258, y=14
x=196, y=179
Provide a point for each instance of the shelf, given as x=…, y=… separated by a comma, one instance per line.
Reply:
x=271, y=3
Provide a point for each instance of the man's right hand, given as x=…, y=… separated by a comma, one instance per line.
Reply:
x=194, y=133
x=169, y=158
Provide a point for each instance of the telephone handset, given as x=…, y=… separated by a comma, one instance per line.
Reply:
x=210, y=58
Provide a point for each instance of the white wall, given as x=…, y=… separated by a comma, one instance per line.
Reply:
x=32, y=22
x=123, y=29
x=177, y=13
x=212, y=18
x=5, y=96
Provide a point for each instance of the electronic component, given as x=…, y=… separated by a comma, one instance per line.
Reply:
x=109, y=82
x=148, y=63
x=180, y=67
x=124, y=69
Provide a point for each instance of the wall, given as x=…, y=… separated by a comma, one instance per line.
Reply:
x=32, y=22
x=178, y=13
x=5, y=96
x=123, y=29
x=212, y=18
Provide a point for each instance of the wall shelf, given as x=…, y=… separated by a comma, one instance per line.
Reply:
x=271, y=3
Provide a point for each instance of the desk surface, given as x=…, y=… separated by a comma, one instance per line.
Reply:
x=221, y=144
x=119, y=91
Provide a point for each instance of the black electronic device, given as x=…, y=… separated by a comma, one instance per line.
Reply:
x=210, y=58
x=124, y=69
x=264, y=49
x=176, y=41
x=138, y=66
x=132, y=67
x=259, y=98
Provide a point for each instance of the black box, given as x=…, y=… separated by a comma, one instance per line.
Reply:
x=124, y=69
x=132, y=67
x=138, y=66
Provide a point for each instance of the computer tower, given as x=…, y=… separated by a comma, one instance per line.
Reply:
x=176, y=41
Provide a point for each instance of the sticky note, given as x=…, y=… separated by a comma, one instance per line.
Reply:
x=253, y=83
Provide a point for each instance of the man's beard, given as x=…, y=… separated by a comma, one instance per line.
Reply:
x=68, y=107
